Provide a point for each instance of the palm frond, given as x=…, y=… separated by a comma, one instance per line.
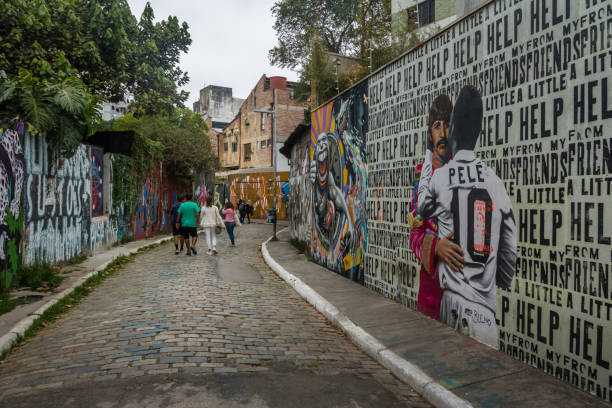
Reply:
x=7, y=90
x=36, y=108
x=69, y=95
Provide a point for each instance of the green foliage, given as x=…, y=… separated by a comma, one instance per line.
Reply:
x=157, y=77
x=15, y=226
x=39, y=276
x=63, y=110
x=297, y=20
x=308, y=30
x=100, y=43
x=183, y=137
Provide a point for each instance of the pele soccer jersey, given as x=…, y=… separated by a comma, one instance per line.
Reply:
x=467, y=198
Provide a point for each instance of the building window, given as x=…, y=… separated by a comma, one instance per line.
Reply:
x=234, y=147
x=225, y=147
x=263, y=121
x=269, y=142
x=427, y=12
x=263, y=144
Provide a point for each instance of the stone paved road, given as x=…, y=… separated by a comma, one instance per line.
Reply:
x=200, y=331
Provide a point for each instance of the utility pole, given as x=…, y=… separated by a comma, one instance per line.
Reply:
x=274, y=118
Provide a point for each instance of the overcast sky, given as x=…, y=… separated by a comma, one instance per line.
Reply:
x=230, y=41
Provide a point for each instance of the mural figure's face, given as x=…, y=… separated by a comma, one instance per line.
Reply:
x=322, y=161
x=439, y=134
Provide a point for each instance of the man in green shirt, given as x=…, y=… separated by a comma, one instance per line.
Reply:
x=188, y=220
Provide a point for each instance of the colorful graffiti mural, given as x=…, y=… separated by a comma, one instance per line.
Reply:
x=338, y=175
x=258, y=189
x=300, y=191
x=12, y=176
x=155, y=196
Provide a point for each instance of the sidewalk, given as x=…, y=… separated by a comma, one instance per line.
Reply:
x=19, y=319
x=420, y=350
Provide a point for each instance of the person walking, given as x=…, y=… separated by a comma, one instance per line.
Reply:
x=188, y=220
x=242, y=209
x=249, y=210
x=230, y=220
x=175, y=229
x=210, y=219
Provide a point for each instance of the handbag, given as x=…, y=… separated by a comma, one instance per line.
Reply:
x=220, y=224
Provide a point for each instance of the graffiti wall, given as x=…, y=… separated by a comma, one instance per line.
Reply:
x=517, y=175
x=57, y=205
x=12, y=175
x=258, y=189
x=300, y=191
x=97, y=181
x=203, y=186
x=338, y=178
x=155, y=195
x=222, y=194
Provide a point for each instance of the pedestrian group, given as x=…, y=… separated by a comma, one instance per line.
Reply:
x=187, y=215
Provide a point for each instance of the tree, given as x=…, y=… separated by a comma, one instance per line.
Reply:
x=100, y=43
x=183, y=137
x=157, y=76
x=62, y=110
x=333, y=21
x=309, y=29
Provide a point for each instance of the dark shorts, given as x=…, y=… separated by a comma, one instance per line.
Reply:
x=186, y=232
x=175, y=231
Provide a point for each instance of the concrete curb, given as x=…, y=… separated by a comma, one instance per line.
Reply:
x=411, y=374
x=6, y=341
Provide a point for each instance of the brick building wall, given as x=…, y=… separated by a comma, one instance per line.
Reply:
x=229, y=148
x=256, y=128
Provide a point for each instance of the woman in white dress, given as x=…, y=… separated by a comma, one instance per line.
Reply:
x=210, y=218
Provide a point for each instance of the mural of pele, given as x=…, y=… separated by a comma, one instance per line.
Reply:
x=470, y=204
x=338, y=176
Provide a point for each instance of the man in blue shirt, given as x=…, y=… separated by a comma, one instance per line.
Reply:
x=176, y=231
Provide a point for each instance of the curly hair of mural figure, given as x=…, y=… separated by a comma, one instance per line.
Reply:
x=12, y=173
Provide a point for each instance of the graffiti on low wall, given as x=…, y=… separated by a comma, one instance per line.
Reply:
x=338, y=177
x=258, y=189
x=155, y=196
x=300, y=191
x=12, y=176
x=57, y=201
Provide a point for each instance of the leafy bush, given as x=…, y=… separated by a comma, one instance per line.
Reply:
x=40, y=275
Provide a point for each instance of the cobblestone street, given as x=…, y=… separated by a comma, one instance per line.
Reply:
x=171, y=330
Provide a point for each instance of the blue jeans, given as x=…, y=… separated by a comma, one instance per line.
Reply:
x=229, y=226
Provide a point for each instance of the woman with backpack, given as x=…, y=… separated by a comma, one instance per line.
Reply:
x=210, y=219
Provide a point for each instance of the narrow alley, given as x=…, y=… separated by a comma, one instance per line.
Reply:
x=201, y=331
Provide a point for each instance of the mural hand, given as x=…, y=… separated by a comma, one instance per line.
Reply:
x=313, y=171
x=450, y=252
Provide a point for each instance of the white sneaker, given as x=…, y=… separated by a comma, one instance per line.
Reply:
x=209, y=252
x=214, y=251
